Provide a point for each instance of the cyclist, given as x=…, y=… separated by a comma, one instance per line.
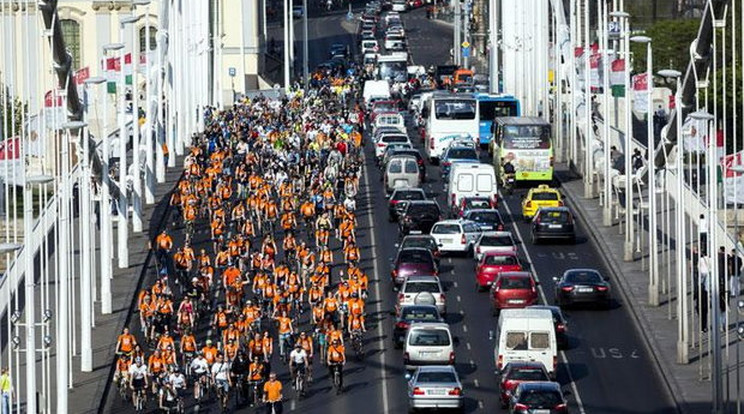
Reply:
x=164, y=244
x=210, y=352
x=199, y=371
x=121, y=376
x=286, y=330
x=298, y=362
x=272, y=394
x=305, y=341
x=178, y=382
x=221, y=377
x=336, y=359
x=239, y=370
x=256, y=372
x=138, y=376
x=125, y=343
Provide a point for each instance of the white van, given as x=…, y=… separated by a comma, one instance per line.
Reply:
x=379, y=89
x=471, y=180
x=429, y=343
x=392, y=120
x=526, y=335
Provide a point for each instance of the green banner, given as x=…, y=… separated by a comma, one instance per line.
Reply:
x=618, y=91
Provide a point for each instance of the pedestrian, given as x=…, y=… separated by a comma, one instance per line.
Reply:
x=734, y=268
x=703, y=234
x=703, y=290
x=6, y=387
x=637, y=160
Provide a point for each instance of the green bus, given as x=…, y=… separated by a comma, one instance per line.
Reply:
x=526, y=142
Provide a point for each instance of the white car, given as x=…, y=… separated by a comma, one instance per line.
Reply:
x=298, y=11
x=387, y=139
x=494, y=241
x=370, y=46
x=422, y=290
x=428, y=343
x=456, y=235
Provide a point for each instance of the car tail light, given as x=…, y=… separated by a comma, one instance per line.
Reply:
x=500, y=227
x=555, y=362
x=561, y=327
x=567, y=288
x=401, y=296
x=394, y=202
x=381, y=145
x=560, y=407
x=402, y=325
x=560, y=203
x=452, y=358
x=602, y=288
x=394, y=273
x=420, y=162
x=455, y=391
x=454, y=199
x=494, y=201
x=478, y=249
x=500, y=362
x=418, y=391
x=520, y=407
x=462, y=239
x=431, y=142
x=406, y=357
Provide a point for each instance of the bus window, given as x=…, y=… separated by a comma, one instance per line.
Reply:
x=493, y=109
x=523, y=137
x=454, y=109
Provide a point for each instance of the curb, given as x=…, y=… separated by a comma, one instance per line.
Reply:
x=641, y=325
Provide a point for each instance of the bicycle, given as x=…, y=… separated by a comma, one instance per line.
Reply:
x=140, y=400
x=201, y=385
x=239, y=390
x=320, y=339
x=255, y=389
x=222, y=394
x=336, y=369
x=357, y=344
x=300, y=380
x=121, y=384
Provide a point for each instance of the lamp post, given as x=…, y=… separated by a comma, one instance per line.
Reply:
x=105, y=204
x=305, y=45
x=623, y=19
x=588, y=134
x=287, y=44
x=150, y=162
x=493, y=55
x=137, y=224
x=680, y=236
x=123, y=230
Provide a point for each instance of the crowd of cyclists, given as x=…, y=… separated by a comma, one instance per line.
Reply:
x=258, y=264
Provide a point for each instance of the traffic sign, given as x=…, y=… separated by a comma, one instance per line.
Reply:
x=231, y=71
x=465, y=51
x=465, y=44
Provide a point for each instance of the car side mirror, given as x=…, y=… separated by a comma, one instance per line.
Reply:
x=440, y=245
x=606, y=277
x=397, y=245
x=408, y=376
x=556, y=279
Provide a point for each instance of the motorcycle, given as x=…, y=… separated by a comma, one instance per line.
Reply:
x=509, y=182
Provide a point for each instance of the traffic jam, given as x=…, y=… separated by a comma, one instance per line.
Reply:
x=449, y=154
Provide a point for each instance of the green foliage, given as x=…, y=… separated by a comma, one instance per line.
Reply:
x=8, y=118
x=670, y=43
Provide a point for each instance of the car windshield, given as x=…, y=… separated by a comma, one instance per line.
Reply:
x=446, y=229
x=516, y=341
x=477, y=203
x=540, y=398
x=528, y=374
x=418, y=287
x=429, y=337
x=515, y=283
x=420, y=242
x=427, y=210
x=583, y=277
x=554, y=216
x=414, y=256
x=395, y=167
x=408, y=195
x=420, y=314
x=436, y=377
x=394, y=138
x=501, y=261
x=462, y=153
x=545, y=196
x=485, y=216
x=496, y=241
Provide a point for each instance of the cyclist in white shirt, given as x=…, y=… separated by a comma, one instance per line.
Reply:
x=221, y=374
x=137, y=376
x=298, y=360
x=199, y=368
x=178, y=380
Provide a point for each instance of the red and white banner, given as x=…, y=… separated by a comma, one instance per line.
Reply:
x=640, y=93
x=81, y=75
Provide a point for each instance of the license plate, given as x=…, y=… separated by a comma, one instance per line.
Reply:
x=585, y=290
x=487, y=227
x=540, y=411
x=517, y=301
x=435, y=392
x=554, y=226
x=446, y=241
x=429, y=353
x=415, y=231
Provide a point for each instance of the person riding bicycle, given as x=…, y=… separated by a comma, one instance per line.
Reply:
x=138, y=377
x=286, y=330
x=178, y=382
x=164, y=244
x=199, y=369
x=256, y=373
x=272, y=394
x=220, y=375
x=125, y=343
x=239, y=370
x=336, y=359
x=509, y=168
x=298, y=361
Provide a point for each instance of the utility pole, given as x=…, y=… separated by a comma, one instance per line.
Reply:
x=493, y=36
x=458, y=24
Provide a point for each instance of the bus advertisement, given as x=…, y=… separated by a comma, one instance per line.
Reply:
x=490, y=107
x=525, y=142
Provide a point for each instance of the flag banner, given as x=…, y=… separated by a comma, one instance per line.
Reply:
x=128, y=68
x=617, y=83
x=594, y=73
x=640, y=92
x=111, y=68
x=81, y=75
x=733, y=181
x=694, y=135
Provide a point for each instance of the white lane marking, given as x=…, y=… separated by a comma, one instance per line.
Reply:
x=378, y=305
x=449, y=260
x=454, y=284
x=293, y=405
x=462, y=312
x=467, y=345
x=480, y=404
x=574, y=388
x=452, y=272
x=472, y=364
x=464, y=328
x=458, y=298
x=477, y=384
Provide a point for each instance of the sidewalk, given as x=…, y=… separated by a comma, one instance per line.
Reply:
x=689, y=385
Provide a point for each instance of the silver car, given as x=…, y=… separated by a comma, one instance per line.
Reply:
x=401, y=171
x=422, y=290
x=436, y=386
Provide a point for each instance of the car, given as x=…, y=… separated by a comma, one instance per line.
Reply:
x=553, y=223
x=457, y=153
x=387, y=139
x=518, y=372
x=428, y=343
x=370, y=46
x=492, y=264
x=400, y=150
x=411, y=261
x=473, y=202
x=380, y=107
x=582, y=286
x=456, y=235
x=421, y=240
x=409, y=314
x=422, y=290
x=538, y=397
x=419, y=217
x=298, y=11
x=391, y=119
x=540, y=196
x=513, y=290
x=559, y=320
x=392, y=149
x=487, y=218
x=494, y=241
x=435, y=387
x=399, y=200
x=401, y=171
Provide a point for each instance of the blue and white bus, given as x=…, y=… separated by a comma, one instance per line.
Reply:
x=492, y=106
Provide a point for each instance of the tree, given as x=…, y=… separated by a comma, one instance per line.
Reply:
x=670, y=41
x=13, y=120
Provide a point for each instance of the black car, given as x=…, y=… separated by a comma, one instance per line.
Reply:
x=553, y=223
x=582, y=286
x=419, y=217
x=421, y=240
x=541, y=396
x=399, y=199
x=487, y=218
x=409, y=314
x=559, y=321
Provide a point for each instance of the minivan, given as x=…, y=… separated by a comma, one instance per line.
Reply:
x=456, y=235
x=471, y=180
x=526, y=335
x=401, y=171
x=429, y=343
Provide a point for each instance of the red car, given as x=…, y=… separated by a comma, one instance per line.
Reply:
x=491, y=264
x=513, y=290
x=515, y=373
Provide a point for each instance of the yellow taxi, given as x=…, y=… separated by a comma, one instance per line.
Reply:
x=541, y=196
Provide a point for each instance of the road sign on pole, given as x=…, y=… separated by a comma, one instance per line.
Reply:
x=231, y=71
